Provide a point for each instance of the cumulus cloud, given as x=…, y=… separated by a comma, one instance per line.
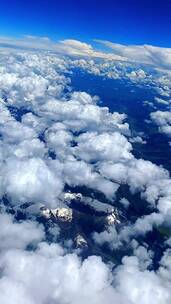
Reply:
x=31, y=180
x=45, y=273
x=141, y=286
x=100, y=157
x=163, y=120
x=52, y=138
x=53, y=274
x=89, y=142
x=18, y=235
x=140, y=175
x=109, y=147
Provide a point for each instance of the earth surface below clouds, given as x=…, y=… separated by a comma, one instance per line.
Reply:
x=85, y=180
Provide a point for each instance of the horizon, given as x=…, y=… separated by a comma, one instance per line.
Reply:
x=129, y=23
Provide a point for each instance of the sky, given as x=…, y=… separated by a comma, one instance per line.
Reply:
x=124, y=21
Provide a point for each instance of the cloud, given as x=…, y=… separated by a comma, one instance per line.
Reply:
x=47, y=267
x=141, y=286
x=58, y=118
x=44, y=273
x=31, y=180
x=144, y=54
x=100, y=157
x=52, y=138
x=163, y=120
x=18, y=235
x=69, y=47
x=104, y=146
x=147, y=54
x=140, y=175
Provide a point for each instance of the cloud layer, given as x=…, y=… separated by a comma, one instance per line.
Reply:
x=53, y=139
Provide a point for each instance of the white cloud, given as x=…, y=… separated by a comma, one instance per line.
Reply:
x=141, y=286
x=18, y=235
x=69, y=47
x=163, y=121
x=91, y=149
x=148, y=54
x=44, y=274
x=140, y=175
x=31, y=180
x=105, y=146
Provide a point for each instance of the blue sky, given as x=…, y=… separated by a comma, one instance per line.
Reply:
x=124, y=21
